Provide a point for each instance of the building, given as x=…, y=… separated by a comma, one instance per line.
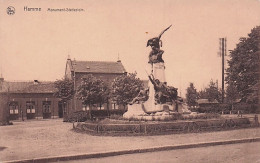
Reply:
x=29, y=100
x=36, y=100
x=106, y=71
x=204, y=105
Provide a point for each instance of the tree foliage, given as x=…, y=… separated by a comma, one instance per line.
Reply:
x=65, y=89
x=231, y=93
x=243, y=69
x=191, y=95
x=125, y=88
x=92, y=91
x=211, y=92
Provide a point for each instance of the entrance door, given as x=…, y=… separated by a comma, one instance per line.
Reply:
x=13, y=109
x=60, y=105
x=30, y=109
x=46, y=109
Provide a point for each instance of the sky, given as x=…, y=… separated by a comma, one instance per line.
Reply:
x=36, y=44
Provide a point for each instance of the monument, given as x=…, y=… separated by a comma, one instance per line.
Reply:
x=159, y=99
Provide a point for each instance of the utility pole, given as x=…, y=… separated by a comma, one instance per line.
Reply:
x=74, y=80
x=222, y=54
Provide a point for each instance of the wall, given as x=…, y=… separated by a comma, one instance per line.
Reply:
x=107, y=78
x=3, y=105
x=22, y=98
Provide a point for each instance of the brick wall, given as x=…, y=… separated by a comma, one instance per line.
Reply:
x=3, y=106
x=22, y=98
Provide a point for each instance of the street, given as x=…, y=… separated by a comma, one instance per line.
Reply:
x=52, y=137
x=234, y=153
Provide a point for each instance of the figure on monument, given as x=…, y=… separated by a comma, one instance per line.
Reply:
x=141, y=97
x=163, y=93
x=155, y=55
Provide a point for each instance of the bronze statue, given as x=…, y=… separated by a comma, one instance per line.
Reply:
x=155, y=55
x=141, y=97
x=163, y=93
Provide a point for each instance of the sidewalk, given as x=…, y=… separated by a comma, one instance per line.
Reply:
x=52, y=138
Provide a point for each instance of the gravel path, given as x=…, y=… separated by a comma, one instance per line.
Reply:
x=46, y=138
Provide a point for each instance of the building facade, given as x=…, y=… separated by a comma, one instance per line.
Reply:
x=29, y=100
x=106, y=71
x=36, y=100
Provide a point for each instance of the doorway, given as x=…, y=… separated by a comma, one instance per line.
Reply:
x=60, y=111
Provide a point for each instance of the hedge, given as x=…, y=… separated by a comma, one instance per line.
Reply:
x=155, y=128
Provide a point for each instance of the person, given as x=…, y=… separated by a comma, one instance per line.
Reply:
x=161, y=95
x=142, y=96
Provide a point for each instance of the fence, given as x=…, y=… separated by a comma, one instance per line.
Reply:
x=152, y=128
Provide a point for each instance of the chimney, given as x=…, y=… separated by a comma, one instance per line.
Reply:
x=68, y=57
x=118, y=59
x=36, y=82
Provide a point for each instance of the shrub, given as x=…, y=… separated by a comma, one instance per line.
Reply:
x=201, y=116
x=116, y=117
x=78, y=116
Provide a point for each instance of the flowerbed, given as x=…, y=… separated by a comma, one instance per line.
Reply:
x=159, y=127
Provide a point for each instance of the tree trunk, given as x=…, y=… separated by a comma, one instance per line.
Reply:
x=90, y=112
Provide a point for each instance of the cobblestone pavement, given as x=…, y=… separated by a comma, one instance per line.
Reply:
x=47, y=138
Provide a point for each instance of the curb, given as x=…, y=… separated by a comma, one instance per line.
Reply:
x=132, y=151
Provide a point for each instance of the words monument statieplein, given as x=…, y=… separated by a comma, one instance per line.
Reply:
x=159, y=99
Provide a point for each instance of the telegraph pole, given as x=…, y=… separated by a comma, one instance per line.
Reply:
x=74, y=80
x=222, y=54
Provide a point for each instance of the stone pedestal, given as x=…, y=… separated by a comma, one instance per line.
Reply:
x=159, y=71
x=150, y=106
x=134, y=110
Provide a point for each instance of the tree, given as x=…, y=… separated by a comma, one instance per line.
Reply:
x=202, y=94
x=211, y=92
x=65, y=89
x=191, y=95
x=92, y=91
x=243, y=69
x=125, y=88
x=231, y=93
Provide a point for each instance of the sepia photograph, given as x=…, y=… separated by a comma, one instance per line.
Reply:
x=144, y=81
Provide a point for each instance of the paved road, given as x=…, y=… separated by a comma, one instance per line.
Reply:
x=48, y=138
x=235, y=153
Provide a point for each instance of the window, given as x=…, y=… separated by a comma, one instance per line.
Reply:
x=114, y=106
x=46, y=106
x=65, y=108
x=13, y=107
x=85, y=107
x=101, y=107
x=30, y=107
x=94, y=107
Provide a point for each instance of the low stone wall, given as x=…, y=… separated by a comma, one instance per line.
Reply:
x=157, y=128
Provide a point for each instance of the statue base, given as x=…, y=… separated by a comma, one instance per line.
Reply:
x=163, y=111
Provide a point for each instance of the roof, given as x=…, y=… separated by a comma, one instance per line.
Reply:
x=206, y=101
x=98, y=67
x=28, y=87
